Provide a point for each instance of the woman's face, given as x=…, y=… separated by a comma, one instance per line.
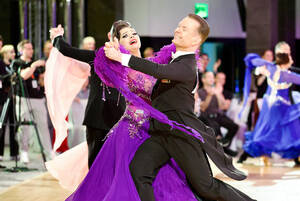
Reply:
x=129, y=39
x=268, y=55
x=10, y=54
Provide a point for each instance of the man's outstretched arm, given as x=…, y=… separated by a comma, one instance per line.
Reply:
x=75, y=53
x=56, y=36
x=177, y=71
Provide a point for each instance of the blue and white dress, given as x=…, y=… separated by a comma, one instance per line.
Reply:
x=278, y=127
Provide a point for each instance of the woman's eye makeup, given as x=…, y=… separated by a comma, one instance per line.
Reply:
x=126, y=35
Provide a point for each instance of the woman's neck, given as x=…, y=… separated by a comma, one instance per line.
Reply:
x=284, y=66
x=136, y=53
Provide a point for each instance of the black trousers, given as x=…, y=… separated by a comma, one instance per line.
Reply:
x=13, y=143
x=224, y=121
x=159, y=148
x=214, y=125
x=94, y=138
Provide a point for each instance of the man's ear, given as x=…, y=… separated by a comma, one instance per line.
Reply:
x=197, y=41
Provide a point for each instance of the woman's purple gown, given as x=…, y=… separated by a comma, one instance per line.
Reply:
x=109, y=178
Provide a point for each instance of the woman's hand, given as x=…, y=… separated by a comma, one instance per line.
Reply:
x=263, y=71
x=112, y=51
x=56, y=31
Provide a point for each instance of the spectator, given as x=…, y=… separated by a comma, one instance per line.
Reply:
x=8, y=54
x=202, y=64
x=88, y=43
x=220, y=83
x=204, y=61
x=212, y=105
x=148, y=52
x=47, y=48
x=34, y=94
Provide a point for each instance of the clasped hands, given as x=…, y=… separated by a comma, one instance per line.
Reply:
x=112, y=50
x=56, y=31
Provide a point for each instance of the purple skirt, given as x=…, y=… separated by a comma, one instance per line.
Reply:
x=109, y=178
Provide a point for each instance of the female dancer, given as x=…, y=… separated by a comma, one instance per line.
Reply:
x=277, y=128
x=109, y=177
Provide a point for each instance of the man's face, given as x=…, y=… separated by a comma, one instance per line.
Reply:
x=186, y=34
x=47, y=49
x=89, y=45
x=204, y=61
x=208, y=79
x=27, y=50
x=221, y=79
x=268, y=55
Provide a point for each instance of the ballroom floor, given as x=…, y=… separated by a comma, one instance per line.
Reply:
x=278, y=182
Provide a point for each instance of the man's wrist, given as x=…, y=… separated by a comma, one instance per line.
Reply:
x=53, y=41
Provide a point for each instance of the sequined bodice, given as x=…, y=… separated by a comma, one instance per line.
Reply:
x=142, y=85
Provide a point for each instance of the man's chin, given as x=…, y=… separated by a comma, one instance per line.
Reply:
x=175, y=42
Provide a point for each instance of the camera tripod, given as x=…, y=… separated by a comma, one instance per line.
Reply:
x=17, y=87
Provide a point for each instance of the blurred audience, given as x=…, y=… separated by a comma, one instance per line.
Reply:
x=88, y=43
x=47, y=49
x=220, y=82
x=212, y=106
x=148, y=52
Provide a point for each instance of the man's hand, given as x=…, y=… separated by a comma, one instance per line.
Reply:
x=264, y=71
x=210, y=91
x=112, y=51
x=218, y=90
x=56, y=31
x=217, y=64
x=38, y=63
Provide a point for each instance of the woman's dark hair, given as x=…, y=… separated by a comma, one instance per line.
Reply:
x=282, y=58
x=117, y=26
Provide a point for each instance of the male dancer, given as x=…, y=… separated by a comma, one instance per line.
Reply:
x=104, y=108
x=173, y=96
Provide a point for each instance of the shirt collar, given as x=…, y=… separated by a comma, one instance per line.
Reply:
x=180, y=53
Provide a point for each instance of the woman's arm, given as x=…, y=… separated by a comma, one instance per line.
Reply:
x=290, y=77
